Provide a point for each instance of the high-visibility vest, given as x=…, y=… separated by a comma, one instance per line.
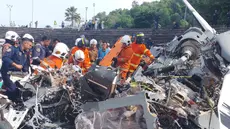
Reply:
x=138, y=51
x=86, y=63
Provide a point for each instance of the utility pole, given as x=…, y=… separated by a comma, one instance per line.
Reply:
x=10, y=6
x=86, y=8
x=32, y=13
x=94, y=11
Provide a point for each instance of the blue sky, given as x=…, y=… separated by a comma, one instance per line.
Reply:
x=46, y=11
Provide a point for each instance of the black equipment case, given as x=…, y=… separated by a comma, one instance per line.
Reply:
x=97, y=84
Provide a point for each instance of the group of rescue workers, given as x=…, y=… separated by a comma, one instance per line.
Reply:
x=18, y=56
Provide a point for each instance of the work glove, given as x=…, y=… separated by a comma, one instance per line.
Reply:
x=114, y=62
x=114, y=59
x=142, y=63
x=149, y=72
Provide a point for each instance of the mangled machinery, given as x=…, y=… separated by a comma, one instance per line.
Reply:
x=180, y=90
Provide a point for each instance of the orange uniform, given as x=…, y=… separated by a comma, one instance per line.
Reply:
x=138, y=51
x=86, y=64
x=53, y=62
x=124, y=59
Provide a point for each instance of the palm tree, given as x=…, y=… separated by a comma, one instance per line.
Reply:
x=72, y=15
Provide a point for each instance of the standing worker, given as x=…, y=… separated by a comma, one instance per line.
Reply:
x=93, y=52
x=15, y=59
x=139, y=49
x=41, y=50
x=11, y=39
x=81, y=44
x=124, y=58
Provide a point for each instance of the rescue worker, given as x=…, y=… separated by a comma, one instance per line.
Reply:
x=139, y=49
x=17, y=43
x=124, y=57
x=41, y=50
x=58, y=57
x=51, y=47
x=78, y=59
x=93, y=52
x=81, y=44
x=11, y=39
x=15, y=59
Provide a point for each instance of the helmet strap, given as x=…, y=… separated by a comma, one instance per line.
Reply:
x=9, y=41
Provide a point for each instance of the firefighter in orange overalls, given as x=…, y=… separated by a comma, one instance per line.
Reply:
x=139, y=49
x=81, y=44
x=79, y=58
x=124, y=58
x=58, y=57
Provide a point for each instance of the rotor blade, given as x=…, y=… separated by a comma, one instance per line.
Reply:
x=200, y=19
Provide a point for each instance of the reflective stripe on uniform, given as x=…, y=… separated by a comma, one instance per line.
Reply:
x=134, y=65
x=83, y=42
x=131, y=71
x=145, y=51
x=123, y=69
x=34, y=58
x=138, y=55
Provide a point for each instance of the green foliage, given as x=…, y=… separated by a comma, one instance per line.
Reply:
x=101, y=16
x=120, y=17
x=184, y=23
x=165, y=12
x=72, y=15
x=207, y=8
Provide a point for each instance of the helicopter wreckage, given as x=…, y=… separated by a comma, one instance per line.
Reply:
x=180, y=90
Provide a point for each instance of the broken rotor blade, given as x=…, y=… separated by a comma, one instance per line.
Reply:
x=199, y=18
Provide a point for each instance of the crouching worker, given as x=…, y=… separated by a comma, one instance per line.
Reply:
x=124, y=58
x=15, y=59
x=78, y=60
x=81, y=44
x=57, y=58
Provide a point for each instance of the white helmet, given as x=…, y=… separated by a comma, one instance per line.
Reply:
x=77, y=40
x=93, y=41
x=11, y=35
x=79, y=56
x=61, y=50
x=126, y=40
x=29, y=37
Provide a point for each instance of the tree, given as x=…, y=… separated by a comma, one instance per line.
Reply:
x=101, y=16
x=134, y=3
x=119, y=18
x=72, y=15
x=165, y=12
